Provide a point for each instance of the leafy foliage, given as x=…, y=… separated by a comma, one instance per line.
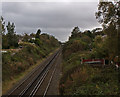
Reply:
x=77, y=43
x=10, y=40
x=38, y=34
x=108, y=15
x=81, y=79
x=108, y=12
x=2, y=25
x=14, y=63
x=33, y=47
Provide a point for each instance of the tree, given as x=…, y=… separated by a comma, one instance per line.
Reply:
x=75, y=30
x=11, y=35
x=10, y=28
x=112, y=41
x=2, y=25
x=25, y=37
x=88, y=33
x=97, y=31
x=38, y=34
x=109, y=16
x=108, y=12
x=32, y=35
x=100, y=50
x=38, y=42
x=75, y=33
x=5, y=42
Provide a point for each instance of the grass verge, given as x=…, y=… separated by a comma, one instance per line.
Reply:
x=8, y=84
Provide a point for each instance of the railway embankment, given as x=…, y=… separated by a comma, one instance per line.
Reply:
x=17, y=64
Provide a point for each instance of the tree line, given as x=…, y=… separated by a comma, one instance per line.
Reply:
x=10, y=40
x=102, y=42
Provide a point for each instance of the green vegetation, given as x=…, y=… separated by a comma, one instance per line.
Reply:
x=23, y=52
x=17, y=62
x=14, y=62
x=77, y=78
x=83, y=79
x=10, y=40
x=2, y=25
x=108, y=15
x=86, y=79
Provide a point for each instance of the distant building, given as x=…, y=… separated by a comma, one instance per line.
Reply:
x=33, y=38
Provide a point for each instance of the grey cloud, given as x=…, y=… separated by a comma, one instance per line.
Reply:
x=54, y=18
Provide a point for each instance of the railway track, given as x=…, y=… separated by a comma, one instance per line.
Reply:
x=38, y=81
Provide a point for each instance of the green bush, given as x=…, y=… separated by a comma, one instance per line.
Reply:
x=15, y=63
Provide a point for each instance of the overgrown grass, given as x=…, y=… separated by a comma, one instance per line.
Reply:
x=83, y=79
x=7, y=84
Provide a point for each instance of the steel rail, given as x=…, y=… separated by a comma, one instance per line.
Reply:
x=44, y=70
x=49, y=81
x=40, y=83
x=33, y=72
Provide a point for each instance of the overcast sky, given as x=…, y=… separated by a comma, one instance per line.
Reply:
x=57, y=19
